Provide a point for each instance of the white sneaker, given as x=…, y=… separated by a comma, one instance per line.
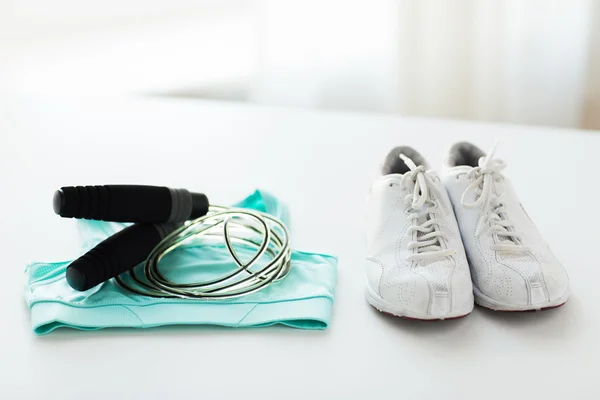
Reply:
x=416, y=264
x=511, y=266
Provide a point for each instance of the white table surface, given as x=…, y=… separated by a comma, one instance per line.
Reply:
x=321, y=164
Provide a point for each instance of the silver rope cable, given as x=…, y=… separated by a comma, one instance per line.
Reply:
x=252, y=229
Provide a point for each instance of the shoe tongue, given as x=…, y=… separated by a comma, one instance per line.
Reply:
x=505, y=239
x=424, y=217
x=461, y=169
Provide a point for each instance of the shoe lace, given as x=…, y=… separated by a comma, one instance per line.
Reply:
x=490, y=199
x=428, y=243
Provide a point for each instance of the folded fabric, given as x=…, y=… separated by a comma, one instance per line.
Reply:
x=302, y=300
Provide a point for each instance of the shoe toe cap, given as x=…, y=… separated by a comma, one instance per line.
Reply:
x=522, y=282
x=427, y=292
x=406, y=290
x=461, y=290
x=504, y=285
x=556, y=281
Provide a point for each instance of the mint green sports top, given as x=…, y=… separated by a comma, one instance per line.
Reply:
x=302, y=300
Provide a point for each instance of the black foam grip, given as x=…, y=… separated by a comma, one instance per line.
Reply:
x=117, y=254
x=129, y=203
x=120, y=203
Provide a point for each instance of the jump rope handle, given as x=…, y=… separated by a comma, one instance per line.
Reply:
x=117, y=254
x=156, y=210
x=129, y=203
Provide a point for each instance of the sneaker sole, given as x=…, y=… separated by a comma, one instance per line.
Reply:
x=418, y=319
x=486, y=302
x=387, y=308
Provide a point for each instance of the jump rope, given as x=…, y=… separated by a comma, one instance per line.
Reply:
x=163, y=220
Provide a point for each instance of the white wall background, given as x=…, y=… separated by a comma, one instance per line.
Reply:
x=534, y=62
